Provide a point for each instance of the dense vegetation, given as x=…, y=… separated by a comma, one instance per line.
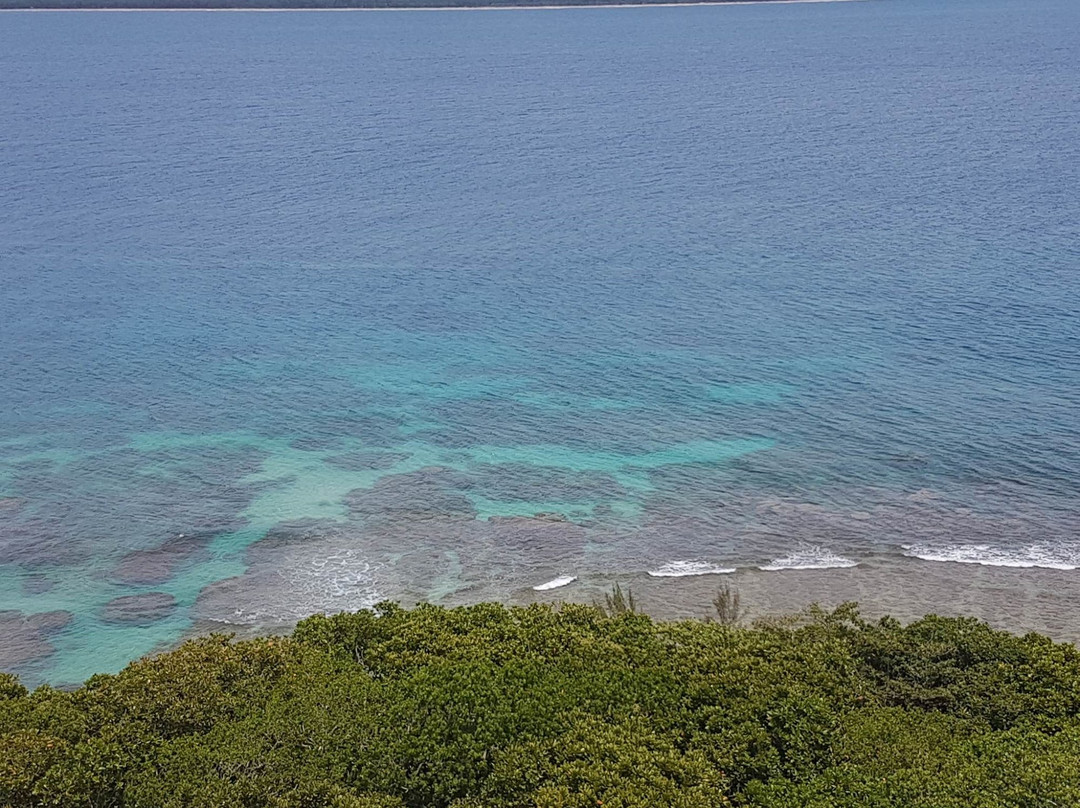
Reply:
x=569, y=707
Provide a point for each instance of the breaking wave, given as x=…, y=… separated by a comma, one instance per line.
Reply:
x=555, y=583
x=1056, y=558
x=810, y=558
x=681, y=569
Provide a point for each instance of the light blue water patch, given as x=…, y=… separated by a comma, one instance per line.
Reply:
x=110, y=646
x=192, y=578
x=61, y=595
x=304, y=486
x=229, y=546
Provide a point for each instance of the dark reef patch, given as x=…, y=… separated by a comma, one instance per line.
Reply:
x=158, y=565
x=317, y=444
x=529, y=483
x=24, y=638
x=139, y=609
x=376, y=430
x=363, y=460
x=287, y=534
x=430, y=493
x=37, y=541
x=11, y=504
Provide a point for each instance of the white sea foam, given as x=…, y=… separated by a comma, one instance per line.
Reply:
x=810, y=558
x=680, y=569
x=344, y=577
x=1056, y=558
x=339, y=581
x=555, y=583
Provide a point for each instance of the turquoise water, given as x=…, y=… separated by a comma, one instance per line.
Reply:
x=304, y=310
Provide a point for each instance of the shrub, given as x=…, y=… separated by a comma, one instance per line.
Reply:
x=562, y=707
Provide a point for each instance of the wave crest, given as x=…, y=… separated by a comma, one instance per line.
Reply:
x=1055, y=558
x=555, y=583
x=810, y=558
x=681, y=569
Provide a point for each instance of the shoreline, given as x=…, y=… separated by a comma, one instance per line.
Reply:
x=261, y=602
x=1013, y=599
x=507, y=7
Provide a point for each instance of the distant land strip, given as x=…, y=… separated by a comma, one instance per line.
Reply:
x=356, y=5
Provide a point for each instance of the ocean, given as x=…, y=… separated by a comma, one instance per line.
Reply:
x=301, y=311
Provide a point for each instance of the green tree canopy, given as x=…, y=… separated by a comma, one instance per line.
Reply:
x=562, y=707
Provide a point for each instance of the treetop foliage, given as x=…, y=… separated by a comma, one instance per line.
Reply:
x=562, y=707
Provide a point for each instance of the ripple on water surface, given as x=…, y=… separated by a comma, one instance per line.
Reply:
x=380, y=356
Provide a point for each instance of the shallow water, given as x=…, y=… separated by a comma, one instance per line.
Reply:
x=301, y=311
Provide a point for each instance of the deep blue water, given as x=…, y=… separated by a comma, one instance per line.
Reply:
x=323, y=298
